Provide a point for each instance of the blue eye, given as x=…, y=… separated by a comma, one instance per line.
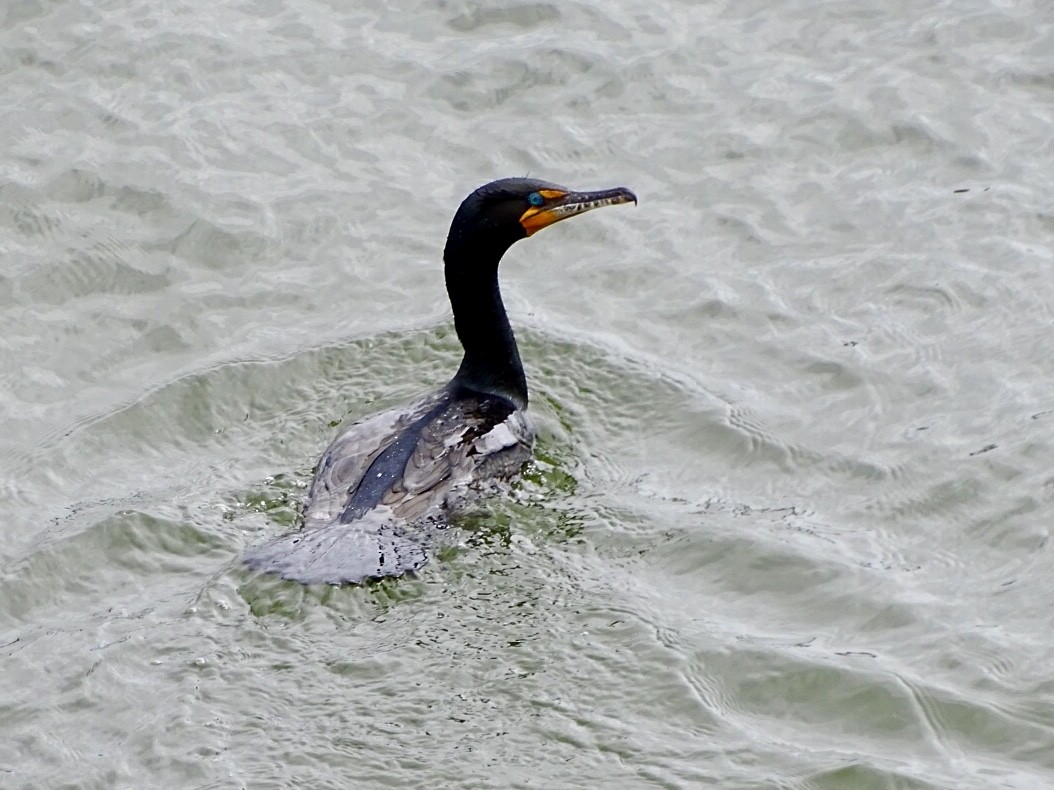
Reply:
x=535, y=199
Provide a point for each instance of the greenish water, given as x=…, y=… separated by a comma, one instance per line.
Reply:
x=789, y=522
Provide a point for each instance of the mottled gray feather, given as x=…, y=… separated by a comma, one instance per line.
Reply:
x=421, y=462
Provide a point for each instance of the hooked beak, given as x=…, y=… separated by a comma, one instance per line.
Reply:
x=561, y=205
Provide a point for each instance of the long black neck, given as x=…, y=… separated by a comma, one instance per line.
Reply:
x=492, y=362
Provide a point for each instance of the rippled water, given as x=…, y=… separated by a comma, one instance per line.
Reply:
x=789, y=523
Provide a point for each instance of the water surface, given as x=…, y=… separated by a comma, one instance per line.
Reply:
x=789, y=520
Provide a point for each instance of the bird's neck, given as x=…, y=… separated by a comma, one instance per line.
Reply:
x=492, y=362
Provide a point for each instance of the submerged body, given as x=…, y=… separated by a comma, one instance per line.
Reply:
x=386, y=484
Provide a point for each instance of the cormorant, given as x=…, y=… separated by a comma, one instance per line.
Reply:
x=391, y=476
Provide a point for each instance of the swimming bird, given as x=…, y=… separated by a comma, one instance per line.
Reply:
x=385, y=481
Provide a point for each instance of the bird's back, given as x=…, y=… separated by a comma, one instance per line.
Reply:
x=383, y=481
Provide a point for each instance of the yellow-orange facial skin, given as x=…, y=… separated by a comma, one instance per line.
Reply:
x=537, y=217
x=561, y=205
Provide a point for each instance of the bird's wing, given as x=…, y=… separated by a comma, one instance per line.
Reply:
x=447, y=452
x=344, y=463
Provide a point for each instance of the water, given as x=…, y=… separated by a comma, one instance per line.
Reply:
x=789, y=523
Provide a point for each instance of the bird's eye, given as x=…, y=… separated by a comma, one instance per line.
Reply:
x=535, y=199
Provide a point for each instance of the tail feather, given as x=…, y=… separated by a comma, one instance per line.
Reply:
x=371, y=547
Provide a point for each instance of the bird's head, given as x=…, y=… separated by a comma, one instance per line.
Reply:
x=500, y=213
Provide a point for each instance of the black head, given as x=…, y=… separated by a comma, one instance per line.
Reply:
x=500, y=213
